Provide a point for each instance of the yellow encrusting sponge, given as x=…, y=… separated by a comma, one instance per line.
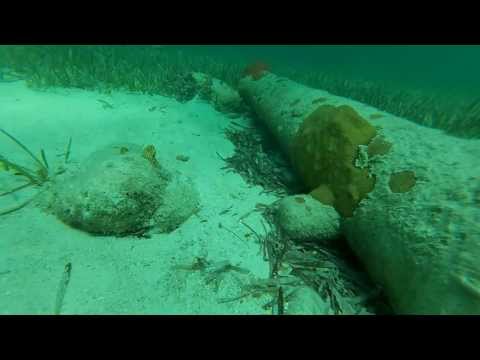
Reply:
x=324, y=152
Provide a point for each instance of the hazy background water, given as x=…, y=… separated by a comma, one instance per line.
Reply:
x=437, y=67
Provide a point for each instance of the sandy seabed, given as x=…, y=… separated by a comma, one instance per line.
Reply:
x=128, y=275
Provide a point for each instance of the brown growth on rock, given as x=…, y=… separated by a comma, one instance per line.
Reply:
x=324, y=195
x=256, y=70
x=324, y=152
x=402, y=182
x=379, y=146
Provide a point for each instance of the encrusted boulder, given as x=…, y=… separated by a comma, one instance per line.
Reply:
x=122, y=190
x=223, y=97
x=303, y=218
x=306, y=301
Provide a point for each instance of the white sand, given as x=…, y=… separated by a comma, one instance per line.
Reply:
x=126, y=275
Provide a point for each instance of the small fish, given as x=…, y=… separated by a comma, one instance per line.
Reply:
x=105, y=104
x=182, y=158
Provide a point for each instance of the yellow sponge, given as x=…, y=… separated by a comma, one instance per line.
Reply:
x=324, y=152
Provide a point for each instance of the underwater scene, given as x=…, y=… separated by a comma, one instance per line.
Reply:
x=239, y=179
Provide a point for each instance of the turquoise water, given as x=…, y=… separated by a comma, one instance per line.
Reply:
x=423, y=66
x=436, y=86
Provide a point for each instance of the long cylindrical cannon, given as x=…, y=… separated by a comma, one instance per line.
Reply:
x=409, y=196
